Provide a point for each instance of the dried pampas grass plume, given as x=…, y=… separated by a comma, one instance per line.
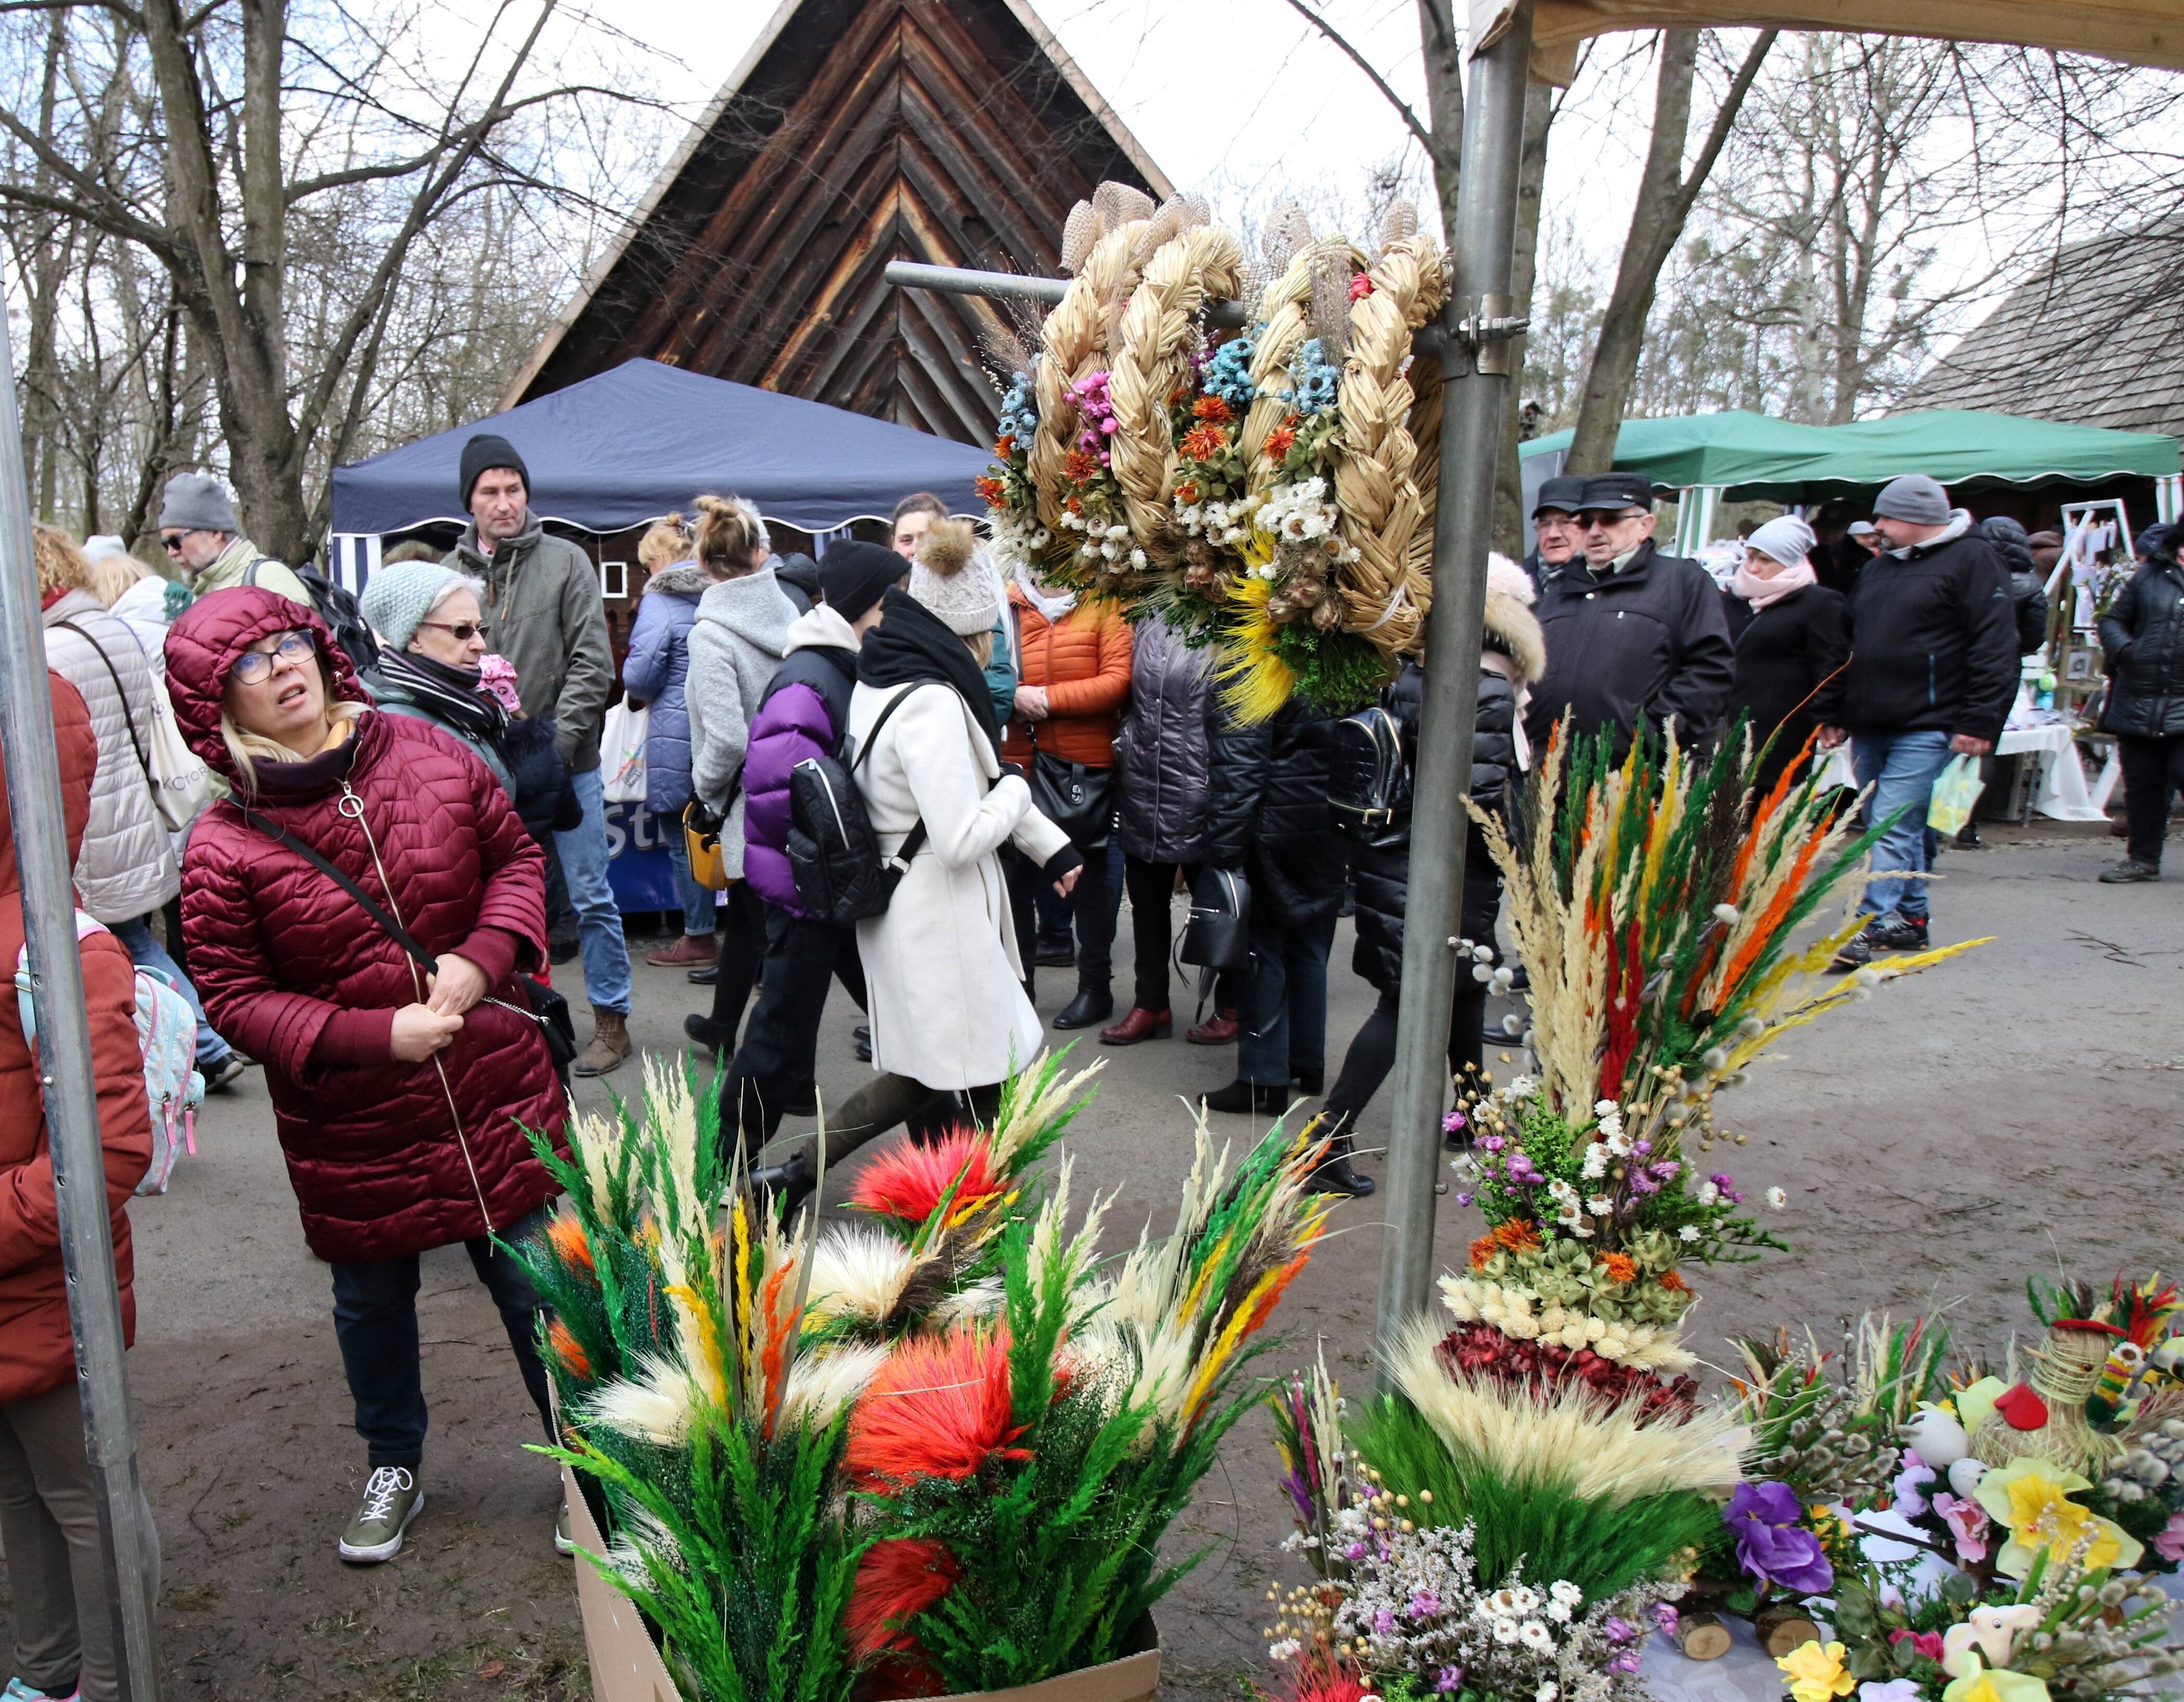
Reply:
x=1572, y=1437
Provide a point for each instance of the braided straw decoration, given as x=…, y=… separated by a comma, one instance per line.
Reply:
x=1149, y=360
x=1284, y=324
x=1384, y=594
x=1073, y=336
x=1425, y=377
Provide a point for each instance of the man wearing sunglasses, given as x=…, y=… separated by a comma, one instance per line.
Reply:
x=543, y=613
x=1635, y=637
x=198, y=529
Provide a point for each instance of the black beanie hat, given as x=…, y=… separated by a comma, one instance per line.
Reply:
x=481, y=454
x=853, y=575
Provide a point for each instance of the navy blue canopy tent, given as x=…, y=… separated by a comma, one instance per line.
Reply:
x=641, y=441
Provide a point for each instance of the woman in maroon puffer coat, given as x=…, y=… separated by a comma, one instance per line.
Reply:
x=397, y=1094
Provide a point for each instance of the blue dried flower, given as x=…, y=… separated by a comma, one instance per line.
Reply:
x=1315, y=382
x=1229, y=373
x=1020, y=407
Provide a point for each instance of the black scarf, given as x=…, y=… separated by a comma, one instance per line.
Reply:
x=452, y=694
x=911, y=646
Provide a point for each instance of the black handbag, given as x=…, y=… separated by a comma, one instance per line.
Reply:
x=1217, y=936
x=547, y=1008
x=1078, y=800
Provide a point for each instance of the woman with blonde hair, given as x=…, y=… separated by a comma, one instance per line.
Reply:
x=135, y=596
x=653, y=675
x=402, y=1084
x=126, y=871
x=735, y=642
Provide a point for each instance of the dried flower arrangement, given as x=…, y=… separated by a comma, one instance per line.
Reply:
x=928, y=1453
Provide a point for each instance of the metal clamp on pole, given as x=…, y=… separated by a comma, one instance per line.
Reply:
x=1490, y=333
x=66, y=1083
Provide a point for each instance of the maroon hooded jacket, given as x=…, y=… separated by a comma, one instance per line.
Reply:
x=295, y=974
x=37, y=1354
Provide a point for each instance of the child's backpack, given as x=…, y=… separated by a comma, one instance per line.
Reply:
x=1369, y=783
x=167, y=1034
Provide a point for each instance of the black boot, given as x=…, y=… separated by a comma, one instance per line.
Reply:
x=1091, y=1006
x=789, y=1183
x=716, y=1038
x=1333, y=1174
x=1248, y=1097
x=1312, y=1083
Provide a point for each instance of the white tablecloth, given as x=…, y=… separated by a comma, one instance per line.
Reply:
x=2060, y=792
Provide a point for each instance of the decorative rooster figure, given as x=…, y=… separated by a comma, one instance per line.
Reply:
x=2143, y=1313
x=2099, y=1350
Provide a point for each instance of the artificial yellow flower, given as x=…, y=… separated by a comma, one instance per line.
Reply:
x=1977, y=1400
x=1982, y=1684
x=1816, y=1671
x=2032, y=1497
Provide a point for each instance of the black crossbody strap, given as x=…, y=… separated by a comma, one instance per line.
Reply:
x=400, y=935
x=128, y=720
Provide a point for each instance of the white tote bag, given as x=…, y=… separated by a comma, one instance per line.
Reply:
x=181, y=785
x=621, y=752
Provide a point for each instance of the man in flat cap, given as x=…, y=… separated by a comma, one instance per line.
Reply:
x=1933, y=671
x=1634, y=638
x=1554, y=528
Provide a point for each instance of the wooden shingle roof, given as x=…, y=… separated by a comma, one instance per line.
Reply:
x=955, y=132
x=2096, y=337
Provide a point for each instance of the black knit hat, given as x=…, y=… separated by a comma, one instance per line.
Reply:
x=481, y=454
x=853, y=575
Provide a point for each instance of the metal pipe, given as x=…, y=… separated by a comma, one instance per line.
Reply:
x=1481, y=248
x=65, y=1077
x=961, y=280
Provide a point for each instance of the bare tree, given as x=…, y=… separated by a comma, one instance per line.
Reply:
x=1667, y=192
x=285, y=174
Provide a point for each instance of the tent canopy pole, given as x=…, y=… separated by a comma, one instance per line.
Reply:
x=65, y=1078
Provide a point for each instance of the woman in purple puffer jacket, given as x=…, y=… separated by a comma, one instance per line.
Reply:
x=802, y=715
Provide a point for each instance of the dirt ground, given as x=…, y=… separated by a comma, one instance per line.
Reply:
x=2006, y=1111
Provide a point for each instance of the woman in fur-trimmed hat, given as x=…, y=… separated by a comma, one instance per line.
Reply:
x=1511, y=656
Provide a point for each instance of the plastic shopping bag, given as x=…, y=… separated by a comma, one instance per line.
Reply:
x=1955, y=794
x=621, y=752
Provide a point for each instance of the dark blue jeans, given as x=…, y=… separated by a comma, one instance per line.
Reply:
x=375, y=1321
x=1285, y=1012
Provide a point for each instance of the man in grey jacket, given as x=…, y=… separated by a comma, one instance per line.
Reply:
x=543, y=613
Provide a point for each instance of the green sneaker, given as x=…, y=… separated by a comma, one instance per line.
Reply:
x=563, y=1542
x=392, y=1500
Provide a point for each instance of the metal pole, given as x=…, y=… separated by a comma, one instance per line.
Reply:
x=960, y=281
x=1481, y=248
x=71, y=1099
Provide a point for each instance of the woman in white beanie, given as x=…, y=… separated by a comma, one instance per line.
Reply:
x=943, y=980
x=147, y=604
x=1793, y=639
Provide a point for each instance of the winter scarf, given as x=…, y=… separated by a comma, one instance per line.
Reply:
x=911, y=646
x=455, y=695
x=1759, y=593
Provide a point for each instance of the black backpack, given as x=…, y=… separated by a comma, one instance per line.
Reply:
x=832, y=851
x=336, y=607
x=1369, y=783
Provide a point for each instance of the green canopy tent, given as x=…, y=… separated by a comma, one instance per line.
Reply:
x=1737, y=457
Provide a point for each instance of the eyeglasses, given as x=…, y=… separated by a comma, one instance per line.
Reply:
x=1598, y=520
x=462, y=631
x=172, y=542
x=254, y=665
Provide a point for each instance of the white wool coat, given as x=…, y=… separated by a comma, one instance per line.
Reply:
x=944, y=985
x=126, y=868
x=736, y=644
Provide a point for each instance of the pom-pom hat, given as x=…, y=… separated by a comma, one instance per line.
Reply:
x=953, y=579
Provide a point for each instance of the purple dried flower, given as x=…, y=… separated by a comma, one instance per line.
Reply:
x=1641, y=1183
x=1727, y=1184
x=1627, y=1661
x=1355, y=1551
x=1664, y=1616
x=1772, y=1547
x=1491, y=1143
x=1641, y=1149
x=1453, y=1122
x=1424, y=1605
x=1448, y=1678
x=1667, y=1168
x=1619, y=1630
x=1385, y=1622
x=1463, y=1199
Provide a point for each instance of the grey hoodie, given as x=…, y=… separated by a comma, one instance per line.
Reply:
x=741, y=634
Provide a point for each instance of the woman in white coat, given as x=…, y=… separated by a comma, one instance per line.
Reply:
x=944, y=982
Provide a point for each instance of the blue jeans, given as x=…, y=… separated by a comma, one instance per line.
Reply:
x=145, y=950
x=700, y=914
x=1902, y=769
x=376, y=1322
x=584, y=852
x=1286, y=1009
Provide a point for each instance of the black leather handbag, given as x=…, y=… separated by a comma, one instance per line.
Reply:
x=1078, y=800
x=1217, y=936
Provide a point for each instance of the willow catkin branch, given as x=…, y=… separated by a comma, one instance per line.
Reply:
x=1149, y=361
x=1074, y=348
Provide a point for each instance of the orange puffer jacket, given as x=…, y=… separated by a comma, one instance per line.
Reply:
x=1084, y=661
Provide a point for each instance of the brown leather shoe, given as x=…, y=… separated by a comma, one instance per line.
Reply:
x=1217, y=1029
x=1138, y=1024
x=609, y=1045
x=689, y=950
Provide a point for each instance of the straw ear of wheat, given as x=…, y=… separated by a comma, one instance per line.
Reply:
x=1384, y=599
x=1149, y=359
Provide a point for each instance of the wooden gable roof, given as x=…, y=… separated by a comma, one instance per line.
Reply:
x=955, y=132
x=2095, y=337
